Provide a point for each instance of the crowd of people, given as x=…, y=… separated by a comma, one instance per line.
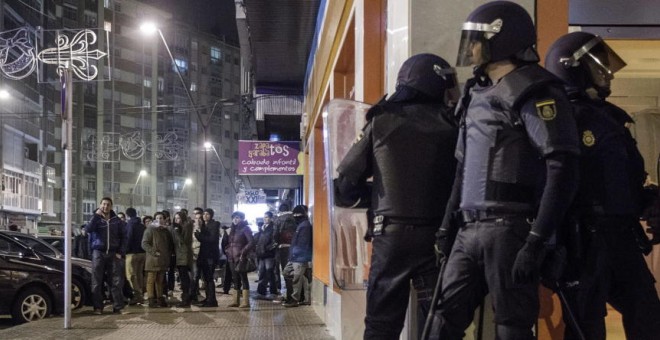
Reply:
x=133, y=256
x=531, y=176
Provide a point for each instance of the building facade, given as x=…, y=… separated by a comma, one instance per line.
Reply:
x=139, y=128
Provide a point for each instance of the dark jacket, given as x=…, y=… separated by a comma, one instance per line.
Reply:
x=240, y=241
x=182, y=236
x=285, y=226
x=134, y=232
x=157, y=242
x=386, y=152
x=301, y=245
x=265, y=242
x=107, y=235
x=81, y=247
x=209, y=239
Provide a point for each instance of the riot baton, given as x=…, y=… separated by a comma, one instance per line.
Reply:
x=569, y=313
x=434, y=300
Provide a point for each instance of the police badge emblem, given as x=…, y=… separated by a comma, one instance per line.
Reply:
x=546, y=109
x=588, y=138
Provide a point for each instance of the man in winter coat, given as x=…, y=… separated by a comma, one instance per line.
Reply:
x=266, y=248
x=157, y=242
x=299, y=258
x=108, y=244
x=135, y=255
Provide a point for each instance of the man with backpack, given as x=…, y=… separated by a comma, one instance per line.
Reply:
x=610, y=267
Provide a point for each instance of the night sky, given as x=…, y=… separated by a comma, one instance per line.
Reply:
x=213, y=16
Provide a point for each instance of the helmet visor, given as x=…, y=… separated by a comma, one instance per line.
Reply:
x=600, y=58
x=473, y=49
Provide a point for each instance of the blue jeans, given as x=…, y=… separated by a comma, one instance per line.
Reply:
x=266, y=276
x=113, y=268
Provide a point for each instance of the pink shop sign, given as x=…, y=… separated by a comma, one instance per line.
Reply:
x=268, y=158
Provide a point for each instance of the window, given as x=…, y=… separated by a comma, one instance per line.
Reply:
x=182, y=64
x=89, y=208
x=110, y=187
x=107, y=26
x=146, y=82
x=226, y=152
x=193, y=87
x=216, y=55
x=70, y=13
x=236, y=135
x=226, y=133
x=161, y=84
x=91, y=185
x=117, y=8
x=106, y=3
x=146, y=102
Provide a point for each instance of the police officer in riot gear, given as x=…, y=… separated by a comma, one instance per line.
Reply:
x=407, y=146
x=608, y=201
x=517, y=167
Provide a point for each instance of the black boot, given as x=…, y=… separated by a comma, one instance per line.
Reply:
x=185, y=301
x=211, y=301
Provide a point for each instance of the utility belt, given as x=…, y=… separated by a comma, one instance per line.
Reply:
x=473, y=215
x=392, y=224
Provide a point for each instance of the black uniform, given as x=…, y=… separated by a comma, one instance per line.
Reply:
x=606, y=264
x=408, y=148
x=514, y=180
x=612, y=269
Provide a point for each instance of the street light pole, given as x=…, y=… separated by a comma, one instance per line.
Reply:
x=142, y=173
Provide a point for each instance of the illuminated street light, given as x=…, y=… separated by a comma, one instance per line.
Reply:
x=150, y=28
x=188, y=181
x=140, y=175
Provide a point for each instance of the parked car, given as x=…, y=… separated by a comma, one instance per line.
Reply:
x=47, y=255
x=55, y=241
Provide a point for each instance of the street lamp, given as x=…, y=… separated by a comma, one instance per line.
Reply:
x=140, y=175
x=4, y=94
x=188, y=181
x=151, y=28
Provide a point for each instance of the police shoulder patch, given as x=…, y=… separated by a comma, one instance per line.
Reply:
x=546, y=109
x=588, y=138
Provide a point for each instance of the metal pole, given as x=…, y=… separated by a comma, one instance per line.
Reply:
x=67, y=140
x=206, y=180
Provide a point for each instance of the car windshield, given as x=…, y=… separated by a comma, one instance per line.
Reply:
x=40, y=246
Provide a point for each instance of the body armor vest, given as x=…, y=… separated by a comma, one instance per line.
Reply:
x=413, y=163
x=502, y=171
x=611, y=168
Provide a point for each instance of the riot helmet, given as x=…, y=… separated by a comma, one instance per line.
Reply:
x=584, y=61
x=496, y=31
x=429, y=75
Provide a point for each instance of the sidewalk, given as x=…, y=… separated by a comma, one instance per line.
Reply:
x=264, y=320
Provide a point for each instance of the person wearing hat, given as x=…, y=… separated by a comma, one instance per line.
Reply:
x=516, y=176
x=407, y=146
x=240, y=243
x=209, y=251
x=297, y=285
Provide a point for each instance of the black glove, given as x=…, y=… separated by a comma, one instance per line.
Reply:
x=528, y=261
x=443, y=245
